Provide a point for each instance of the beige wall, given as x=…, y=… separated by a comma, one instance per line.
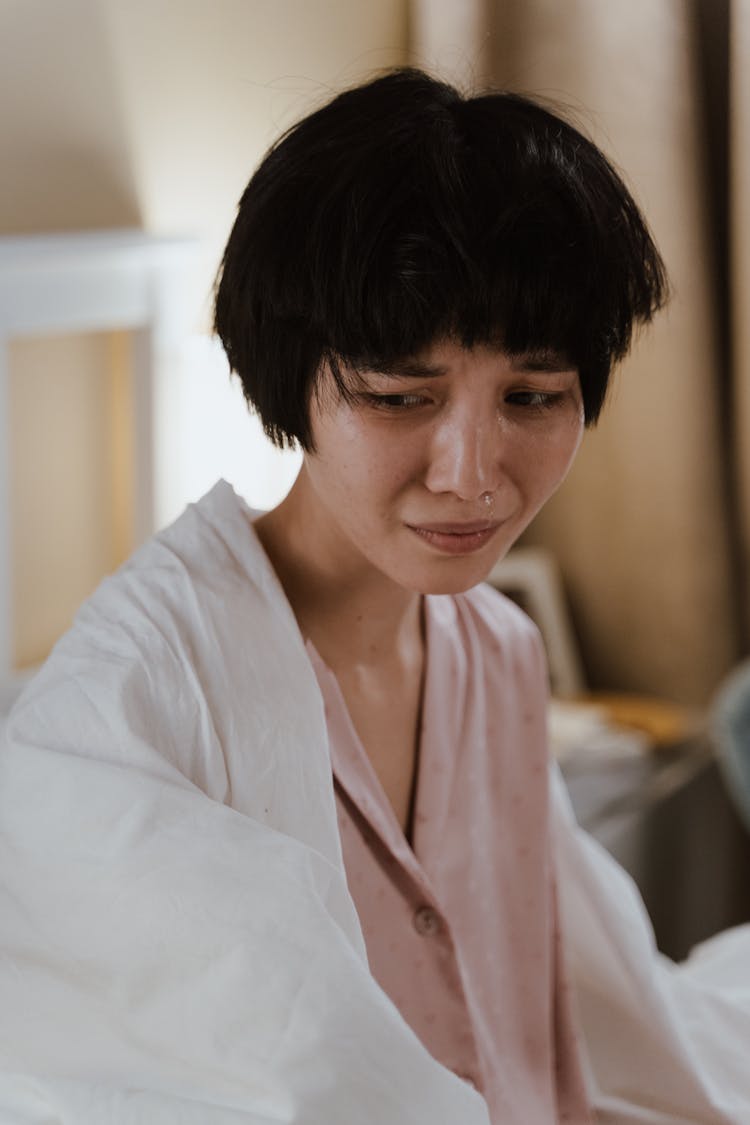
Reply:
x=65, y=163
x=64, y=478
x=148, y=113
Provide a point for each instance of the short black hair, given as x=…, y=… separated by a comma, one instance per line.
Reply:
x=401, y=213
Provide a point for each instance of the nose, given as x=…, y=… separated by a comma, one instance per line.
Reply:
x=466, y=456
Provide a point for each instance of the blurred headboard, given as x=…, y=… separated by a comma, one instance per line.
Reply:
x=531, y=577
x=89, y=282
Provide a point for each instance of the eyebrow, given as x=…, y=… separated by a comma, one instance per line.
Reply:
x=544, y=360
x=409, y=369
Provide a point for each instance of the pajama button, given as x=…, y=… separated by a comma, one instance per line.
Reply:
x=426, y=921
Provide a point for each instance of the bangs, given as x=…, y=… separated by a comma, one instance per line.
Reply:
x=502, y=243
x=522, y=292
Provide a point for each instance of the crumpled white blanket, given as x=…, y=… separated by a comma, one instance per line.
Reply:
x=665, y=1043
x=177, y=943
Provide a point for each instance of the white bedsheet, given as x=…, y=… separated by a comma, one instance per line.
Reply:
x=177, y=943
x=665, y=1042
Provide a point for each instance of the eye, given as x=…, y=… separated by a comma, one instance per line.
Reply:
x=395, y=402
x=536, y=400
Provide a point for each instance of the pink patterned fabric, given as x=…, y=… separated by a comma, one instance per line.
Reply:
x=461, y=928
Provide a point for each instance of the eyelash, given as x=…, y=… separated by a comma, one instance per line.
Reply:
x=536, y=400
x=543, y=400
x=394, y=402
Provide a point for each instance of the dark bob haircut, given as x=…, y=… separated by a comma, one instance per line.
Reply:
x=402, y=213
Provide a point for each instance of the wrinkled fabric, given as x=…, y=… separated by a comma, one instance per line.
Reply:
x=667, y=1044
x=177, y=941
x=461, y=925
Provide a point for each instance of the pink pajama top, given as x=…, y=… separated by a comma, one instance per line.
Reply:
x=461, y=926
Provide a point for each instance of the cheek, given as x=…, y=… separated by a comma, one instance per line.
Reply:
x=359, y=468
x=558, y=453
x=569, y=440
x=378, y=460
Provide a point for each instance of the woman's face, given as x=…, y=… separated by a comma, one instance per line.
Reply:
x=430, y=474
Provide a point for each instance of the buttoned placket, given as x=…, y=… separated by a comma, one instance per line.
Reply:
x=428, y=917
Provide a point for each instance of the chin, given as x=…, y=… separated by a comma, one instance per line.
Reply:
x=449, y=588
x=449, y=579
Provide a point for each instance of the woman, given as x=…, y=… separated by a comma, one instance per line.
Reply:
x=465, y=273
x=263, y=722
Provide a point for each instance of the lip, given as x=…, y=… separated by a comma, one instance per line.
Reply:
x=456, y=538
x=468, y=527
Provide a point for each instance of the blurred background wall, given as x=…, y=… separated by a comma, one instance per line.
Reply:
x=153, y=113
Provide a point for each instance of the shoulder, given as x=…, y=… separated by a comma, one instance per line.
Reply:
x=494, y=631
x=152, y=605
x=499, y=620
x=498, y=613
x=212, y=539
x=187, y=665
x=154, y=653
x=208, y=558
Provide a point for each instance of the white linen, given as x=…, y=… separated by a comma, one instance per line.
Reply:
x=177, y=943
x=667, y=1044
x=10, y=689
x=177, y=940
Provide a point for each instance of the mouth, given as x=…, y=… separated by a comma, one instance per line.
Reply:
x=456, y=538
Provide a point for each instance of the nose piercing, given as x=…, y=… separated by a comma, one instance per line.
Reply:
x=487, y=498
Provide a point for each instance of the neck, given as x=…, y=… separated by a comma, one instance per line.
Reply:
x=351, y=612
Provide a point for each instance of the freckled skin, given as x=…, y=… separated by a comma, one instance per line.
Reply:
x=415, y=451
